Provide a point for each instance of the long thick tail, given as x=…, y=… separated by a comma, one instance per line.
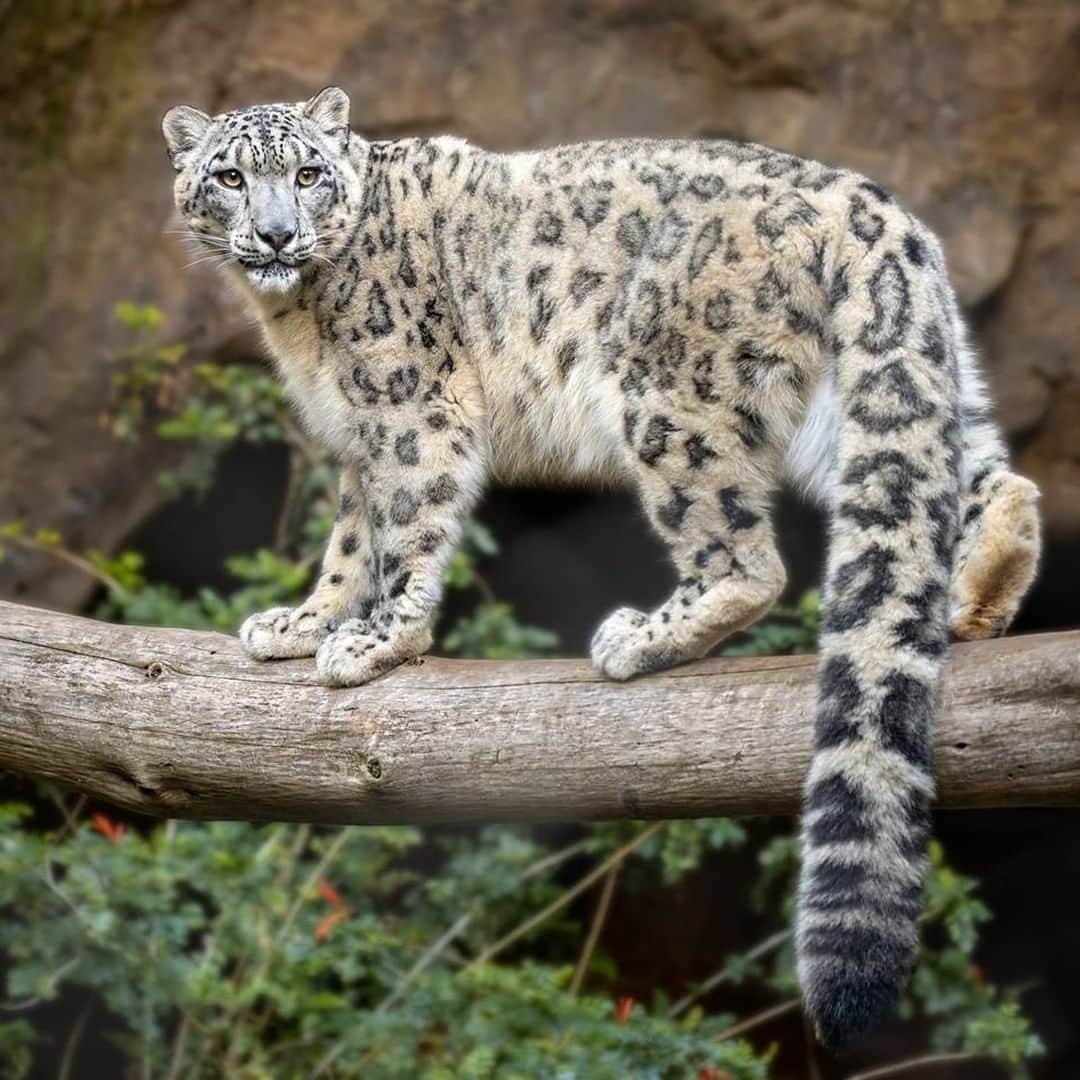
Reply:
x=895, y=522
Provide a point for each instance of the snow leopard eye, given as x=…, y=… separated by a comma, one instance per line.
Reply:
x=307, y=176
x=230, y=178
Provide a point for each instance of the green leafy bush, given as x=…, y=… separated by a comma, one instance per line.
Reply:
x=293, y=951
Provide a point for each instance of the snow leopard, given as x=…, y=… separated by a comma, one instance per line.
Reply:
x=697, y=320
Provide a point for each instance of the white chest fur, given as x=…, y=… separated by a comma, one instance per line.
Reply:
x=311, y=379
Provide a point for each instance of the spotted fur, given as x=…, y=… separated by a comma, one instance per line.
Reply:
x=695, y=320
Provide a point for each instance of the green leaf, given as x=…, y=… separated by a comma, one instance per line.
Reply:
x=492, y=632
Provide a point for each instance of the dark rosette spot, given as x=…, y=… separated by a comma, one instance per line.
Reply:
x=403, y=507
x=584, y=282
x=865, y=224
x=632, y=232
x=719, y=312
x=710, y=236
x=549, y=228
x=858, y=588
x=669, y=236
x=672, y=513
x=442, y=489
x=406, y=448
x=379, y=321
x=402, y=383
x=739, y=518
x=890, y=297
x=654, y=444
x=887, y=400
x=698, y=451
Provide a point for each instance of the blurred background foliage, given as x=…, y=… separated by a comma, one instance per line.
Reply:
x=150, y=473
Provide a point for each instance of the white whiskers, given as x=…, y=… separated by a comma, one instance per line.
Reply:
x=216, y=258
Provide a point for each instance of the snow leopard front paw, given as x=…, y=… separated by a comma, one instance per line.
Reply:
x=621, y=644
x=357, y=652
x=282, y=632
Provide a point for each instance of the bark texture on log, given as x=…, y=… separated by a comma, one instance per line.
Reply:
x=181, y=723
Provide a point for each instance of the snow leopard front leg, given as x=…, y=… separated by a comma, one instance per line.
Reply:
x=420, y=489
x=345, y=586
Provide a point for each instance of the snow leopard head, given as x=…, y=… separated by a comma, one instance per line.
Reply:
x=265, y=189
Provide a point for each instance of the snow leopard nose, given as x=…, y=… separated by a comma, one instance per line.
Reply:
x=277, y=236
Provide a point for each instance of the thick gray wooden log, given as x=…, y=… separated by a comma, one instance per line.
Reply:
x=179, y=723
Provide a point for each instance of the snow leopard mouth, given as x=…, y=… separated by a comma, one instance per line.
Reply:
x=274, y=275
x=279, y=262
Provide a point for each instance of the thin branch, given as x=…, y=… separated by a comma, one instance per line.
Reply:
x=62, y=554
x=560, y=902
x=480, y=583
x=281, y=529
x=50, y=986
x=70, y=814
x=318, y=872
x=71, y=1044
x=176, y=1054
x=762, y=1017
x=148, y=1015
x=288, y=864
x=301, y=836
x=303, y=896
x=281, y=935
x=927, y=1061
x=552, y=860
x=335, y=1052
x=458, y=927
x=603, y=905
x=813, y=1070
x=21, y=1006
x=297, y=438
x=441, y=943
x=723, y=975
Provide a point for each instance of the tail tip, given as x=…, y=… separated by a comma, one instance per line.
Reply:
x=845, y=1008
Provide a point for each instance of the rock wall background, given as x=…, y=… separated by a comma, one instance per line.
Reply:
x=968, y=109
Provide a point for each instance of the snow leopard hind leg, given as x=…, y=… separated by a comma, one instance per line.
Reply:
x=714, y=520
x=713, y=387
x=712, y=376
x=705, y=463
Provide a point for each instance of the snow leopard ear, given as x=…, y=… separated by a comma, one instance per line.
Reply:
x=183, y=127
x=328, y=110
